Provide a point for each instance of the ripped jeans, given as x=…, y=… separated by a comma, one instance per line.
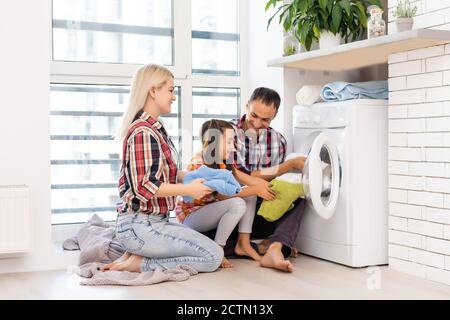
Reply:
x=165, y=244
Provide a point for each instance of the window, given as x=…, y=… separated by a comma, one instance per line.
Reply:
x=215, y=37
x=213, y=103
x=97, y=46
x=115, y=31
x=85, y=157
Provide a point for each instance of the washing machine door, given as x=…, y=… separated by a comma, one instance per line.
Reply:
x=321, y=176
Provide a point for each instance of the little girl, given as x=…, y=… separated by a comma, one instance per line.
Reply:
x=218, y=211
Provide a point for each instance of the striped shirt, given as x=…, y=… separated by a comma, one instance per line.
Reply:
x=255, y=152
x=148, y=160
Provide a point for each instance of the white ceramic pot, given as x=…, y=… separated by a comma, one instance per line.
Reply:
x=328, y=40
x=404, y=24
x=314, y=46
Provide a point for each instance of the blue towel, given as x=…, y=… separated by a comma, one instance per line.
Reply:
x=220, y=180
x=339, y=90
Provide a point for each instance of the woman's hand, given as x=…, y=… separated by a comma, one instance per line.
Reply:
x=197, y=190
x=264, y=191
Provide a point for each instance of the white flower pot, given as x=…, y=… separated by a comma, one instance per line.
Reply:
x=328, y=40
x=314, y=46
x=404, y=24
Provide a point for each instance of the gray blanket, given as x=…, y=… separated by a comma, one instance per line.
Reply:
x=97, y=246
x=125, y=278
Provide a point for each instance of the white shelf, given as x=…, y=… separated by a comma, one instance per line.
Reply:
x=363, y=53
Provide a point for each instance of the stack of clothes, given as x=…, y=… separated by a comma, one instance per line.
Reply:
x=341, y=91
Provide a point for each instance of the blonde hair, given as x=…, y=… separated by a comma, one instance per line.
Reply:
x=146, y=77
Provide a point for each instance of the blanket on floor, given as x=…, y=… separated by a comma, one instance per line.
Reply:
x=97, y=245
x=125, y=278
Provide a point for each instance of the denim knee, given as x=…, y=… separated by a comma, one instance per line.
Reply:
x=216, y=257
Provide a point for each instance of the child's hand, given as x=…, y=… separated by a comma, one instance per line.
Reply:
x=197, y=190
x=264, y=191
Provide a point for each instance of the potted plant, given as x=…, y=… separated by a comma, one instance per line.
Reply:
x=326, y=21
x=404, y=12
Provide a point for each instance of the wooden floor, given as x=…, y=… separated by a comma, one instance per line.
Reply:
x=312, y=279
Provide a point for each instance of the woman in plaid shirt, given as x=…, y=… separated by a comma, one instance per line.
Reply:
x=148, y=186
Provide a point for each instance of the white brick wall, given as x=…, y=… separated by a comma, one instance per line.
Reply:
x=433, y=14
x=419, y=152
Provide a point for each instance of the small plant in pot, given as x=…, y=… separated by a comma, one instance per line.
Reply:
x=325, y=21
x=404, y=12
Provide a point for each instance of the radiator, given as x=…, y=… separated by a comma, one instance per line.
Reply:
x=15, y=220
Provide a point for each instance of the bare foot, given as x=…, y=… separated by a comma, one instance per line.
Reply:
x=294, y=252
x=132, y=264
x=262, y=247
x=226, y=263
x=274, y=259
x=245, y=249
x=123, y=258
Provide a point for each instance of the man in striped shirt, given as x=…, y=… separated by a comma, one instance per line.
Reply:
x=261, y=152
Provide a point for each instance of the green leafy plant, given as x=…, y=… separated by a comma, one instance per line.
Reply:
x=404, y=9
x=308, y=18
x=289, y=51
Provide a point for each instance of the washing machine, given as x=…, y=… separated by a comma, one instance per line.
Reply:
x=345, y=181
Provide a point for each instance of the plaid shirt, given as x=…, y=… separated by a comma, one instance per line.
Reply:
x=148, y=161
x=255, y=152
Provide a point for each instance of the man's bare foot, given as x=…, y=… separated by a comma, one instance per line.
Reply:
x=294, y=252
x=246, y=249
x=263, y=246
x=226, y=263
x=274, y=259
x=123, y=258
x=132, y=264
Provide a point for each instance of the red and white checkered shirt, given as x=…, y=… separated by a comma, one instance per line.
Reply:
x=148, y=160
x=255, y=152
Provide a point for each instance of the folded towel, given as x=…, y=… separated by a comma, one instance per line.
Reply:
x=339, y=91
x=308, y=95
x=291, y=177
x=220, y=180
x=287, y=193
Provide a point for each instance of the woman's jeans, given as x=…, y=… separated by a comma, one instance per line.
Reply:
x=164, y=244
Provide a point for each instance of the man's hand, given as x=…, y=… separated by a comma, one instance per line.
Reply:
x=298, y=163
